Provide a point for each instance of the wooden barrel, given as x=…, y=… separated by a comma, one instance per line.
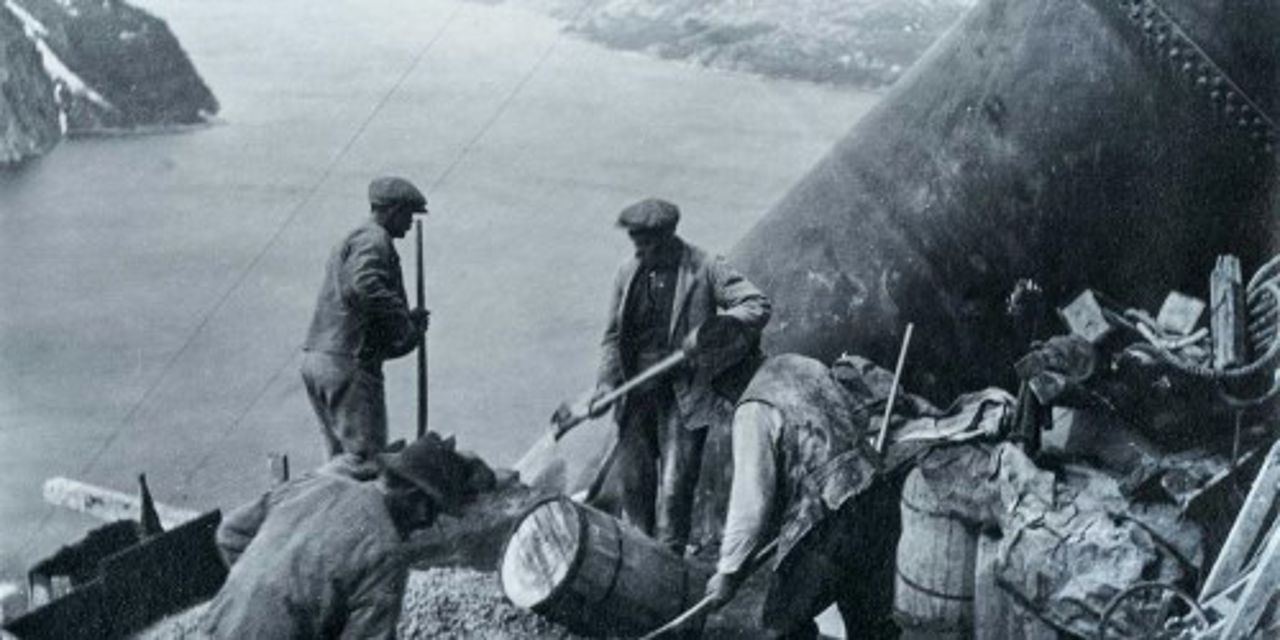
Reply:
x=934, y=582
x=997, y=615
x=588, y=571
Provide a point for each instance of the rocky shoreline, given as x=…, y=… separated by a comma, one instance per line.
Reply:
x=862, y=43
x=84, y=67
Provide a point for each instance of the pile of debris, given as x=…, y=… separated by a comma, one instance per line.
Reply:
x=1115, y=480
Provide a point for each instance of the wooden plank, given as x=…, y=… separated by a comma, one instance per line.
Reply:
x=1263, y=584
x=107, y=504
x=1227, y=322
x=1247, y=528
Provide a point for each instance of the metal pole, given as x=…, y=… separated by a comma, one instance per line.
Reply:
x=893, y=391
x=422, y=347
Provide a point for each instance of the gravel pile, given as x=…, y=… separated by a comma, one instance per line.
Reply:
x=462, y=603
x=438, y=603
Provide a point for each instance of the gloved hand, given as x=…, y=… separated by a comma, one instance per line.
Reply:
x=421, y=319
x=721, y=588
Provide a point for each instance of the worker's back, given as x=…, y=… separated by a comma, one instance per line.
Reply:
x=323, y=563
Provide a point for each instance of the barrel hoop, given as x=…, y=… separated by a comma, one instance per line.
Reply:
x=617, y=565
x=931, y=592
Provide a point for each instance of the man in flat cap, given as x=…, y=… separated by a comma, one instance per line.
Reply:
x=362, y=317
x=323, y=556
x=660, y=299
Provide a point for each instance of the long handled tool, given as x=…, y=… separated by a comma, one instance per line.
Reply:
x=422, y=347
x=758, y=560
x=893, y=392
x=566, y=418
x=602, y=473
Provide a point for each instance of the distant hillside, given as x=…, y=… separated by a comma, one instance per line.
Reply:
x=867, y=43
x=90, y=66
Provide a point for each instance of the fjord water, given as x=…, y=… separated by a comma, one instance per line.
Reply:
x=154, y=290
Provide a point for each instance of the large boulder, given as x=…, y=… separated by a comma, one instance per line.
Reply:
x=29, y=124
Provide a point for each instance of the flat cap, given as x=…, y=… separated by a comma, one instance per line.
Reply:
x=649, y=214
x=390, y=191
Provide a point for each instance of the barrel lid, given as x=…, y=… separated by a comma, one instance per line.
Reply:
x=542, y=552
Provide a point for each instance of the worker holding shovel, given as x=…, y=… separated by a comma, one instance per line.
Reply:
x=660, y=298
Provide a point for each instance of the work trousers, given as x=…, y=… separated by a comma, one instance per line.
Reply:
x=349, y=400
x=847, y=560
x=658, y=465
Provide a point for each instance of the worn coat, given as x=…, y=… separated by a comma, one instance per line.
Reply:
x=822, y=459
x=318, y=557
x=362, y=311
x=705, y=286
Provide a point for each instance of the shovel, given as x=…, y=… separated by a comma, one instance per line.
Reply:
x=721, y=341
x=567, y=417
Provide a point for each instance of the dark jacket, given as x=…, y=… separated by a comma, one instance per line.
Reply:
x=823, y=458
x=705, y=286
x=362, y=310
x=318, y=557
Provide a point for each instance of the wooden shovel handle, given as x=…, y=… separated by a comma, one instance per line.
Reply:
x=563, y=425
x=656, y=370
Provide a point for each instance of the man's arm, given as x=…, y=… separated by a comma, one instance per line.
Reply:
x=239, y=527
x=369, y=270
x=755, y=429
x=751, y=495
x=738, y=297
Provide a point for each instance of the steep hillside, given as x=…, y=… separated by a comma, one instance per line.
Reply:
x=28, y=112
x=90, y=66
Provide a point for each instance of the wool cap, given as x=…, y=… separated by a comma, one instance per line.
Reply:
x=390, y=191
x=650, y=214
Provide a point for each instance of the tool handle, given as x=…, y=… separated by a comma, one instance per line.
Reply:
x=565, y=419
x=656, y=370
x=422, y=346
x=758, y=560
x=893, y=391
